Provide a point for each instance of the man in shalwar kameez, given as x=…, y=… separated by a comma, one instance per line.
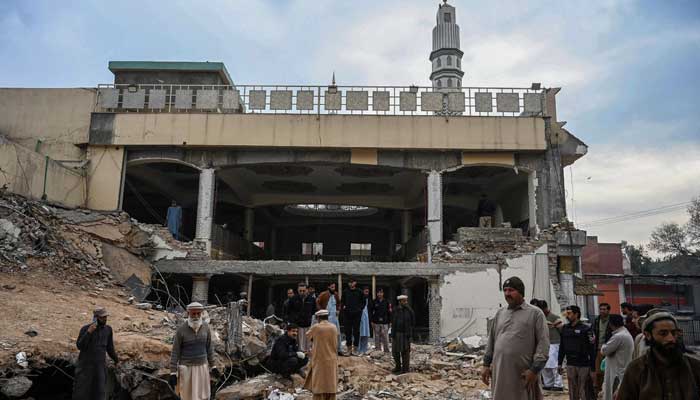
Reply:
x=192, y=356
x=518, y=347
x=174, y=220
x=364, y=323
x=322, y=376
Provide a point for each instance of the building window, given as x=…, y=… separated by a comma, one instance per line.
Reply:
x=439, y=83
x=449, y=82
x=439, y=63
x=312, y=249
x=459, y=63
x=449, y=60
x=360, y=249
x=448, y=17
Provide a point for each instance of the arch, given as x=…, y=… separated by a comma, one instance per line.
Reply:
x=164, y=160
x=449, y=60
x=439, y=62
x=449, y=82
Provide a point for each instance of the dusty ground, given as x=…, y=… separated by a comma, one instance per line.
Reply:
x=57, y=310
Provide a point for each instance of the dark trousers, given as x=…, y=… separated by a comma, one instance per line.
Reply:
x=352, y=328
x=402, y=359
x=289, y=366
x=90, y=381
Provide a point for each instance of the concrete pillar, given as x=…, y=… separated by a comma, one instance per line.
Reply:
x=434, y=310
x=250, y=292
x=273, y=242
x=406, y=226
x=567, y=288
x=200, y=288
x=248, y=224
x=435, y=207
x=205, y=207
x=340, y=286
x=392, y=245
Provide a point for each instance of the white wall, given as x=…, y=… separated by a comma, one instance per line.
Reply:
x=469, y=298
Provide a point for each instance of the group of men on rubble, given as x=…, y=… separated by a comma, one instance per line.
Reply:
x=528, y=346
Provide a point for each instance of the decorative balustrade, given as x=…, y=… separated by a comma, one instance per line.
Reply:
x=359, y=100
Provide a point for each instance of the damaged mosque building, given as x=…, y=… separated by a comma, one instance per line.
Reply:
x=276, y=185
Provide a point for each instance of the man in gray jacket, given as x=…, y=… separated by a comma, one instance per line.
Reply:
x=618, y=354
x=192, y=356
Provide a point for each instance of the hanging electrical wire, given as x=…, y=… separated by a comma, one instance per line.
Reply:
x=635, y=215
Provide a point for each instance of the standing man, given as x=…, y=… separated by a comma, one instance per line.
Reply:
x=602, y=333
x=364, y=321
x=628, y=311
x=192, y=356
x=550, y=374
x=288, y=313
x=305, y=306
x=486, y=210
x=518, y=347
x=577, y=347
x=174, y=219
x=402, y=325
x=328, y=300
x=322, y=377
x=285, y=357
x=94, y=340
x=353, y=303
x=381, y=315
x=664, y=372
x=618, y=354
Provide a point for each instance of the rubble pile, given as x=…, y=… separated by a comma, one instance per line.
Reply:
x=484, y=246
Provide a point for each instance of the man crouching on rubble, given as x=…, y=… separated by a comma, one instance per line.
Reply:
x=93, y=341
x=285, y=358
x=191, y=357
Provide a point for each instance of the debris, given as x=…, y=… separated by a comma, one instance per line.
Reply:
x=16, y=387
x=21, y=358
x=144, y=306
x=31, y=332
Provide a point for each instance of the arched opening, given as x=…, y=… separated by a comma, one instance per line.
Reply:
x=151, y=187
x=502, y=191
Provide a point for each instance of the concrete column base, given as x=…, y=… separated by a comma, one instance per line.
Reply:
x=200, y=288
x=434, y=310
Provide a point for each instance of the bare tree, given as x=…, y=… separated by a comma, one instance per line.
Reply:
x=679, y=240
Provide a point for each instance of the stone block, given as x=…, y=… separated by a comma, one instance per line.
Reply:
x=407, y=101
x=357, y=100
x=109, y=97
x=231, y=99
x=380, y=101
x=134, y=99
x=333, y=100
x=431, y=101
x=257, y=99
x=533, y=102
x=483, y=102
x=455, y=102
x=207, y=99
x=183, y=99
x=156, y=99
x=507, y=102
x=305, y=100
x=281, y=100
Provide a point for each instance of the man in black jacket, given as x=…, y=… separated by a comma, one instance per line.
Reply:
x=94, y=340
x=602, y=332
x=381, y=316
x=353, y=302
x=577, y=347
x=285, y=357
x=304, y=307
x=402, y=325
x=288, y=310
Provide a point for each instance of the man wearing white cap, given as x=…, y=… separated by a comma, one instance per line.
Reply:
x=322, y=378
x=192, y=357
x=401, y=333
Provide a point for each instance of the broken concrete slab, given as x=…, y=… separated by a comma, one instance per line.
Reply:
x=128, y=269
x=254, y=388
x=16, y=387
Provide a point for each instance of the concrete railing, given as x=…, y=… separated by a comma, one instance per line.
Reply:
x=284, y=99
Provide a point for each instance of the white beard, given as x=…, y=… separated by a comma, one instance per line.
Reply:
x=195, y=324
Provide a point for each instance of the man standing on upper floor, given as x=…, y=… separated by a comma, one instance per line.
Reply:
x=618, y=354
x=352, y=304
x=664, y=372
x=551, y=379
x=305, y=307
x=577, y=347
x=602, y=333
x=174, y=220
x=381, y=316
x=486, y=210
x=518, y=347
x=94, y=341
x=402, y=325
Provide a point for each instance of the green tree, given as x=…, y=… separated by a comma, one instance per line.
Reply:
x=676, y=240
x=639, y=260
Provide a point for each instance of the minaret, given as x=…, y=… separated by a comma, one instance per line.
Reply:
x=446, y=55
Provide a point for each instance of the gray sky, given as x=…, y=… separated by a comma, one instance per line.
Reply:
x=628, y=69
